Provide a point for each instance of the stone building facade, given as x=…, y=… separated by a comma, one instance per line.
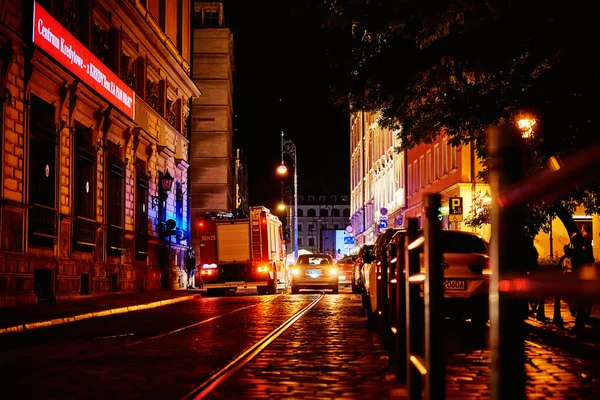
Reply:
x=377, y=178
x=88, y=131
x=388, y=186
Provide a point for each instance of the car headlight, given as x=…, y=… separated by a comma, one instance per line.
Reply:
x=295, y=271
x=333, y=271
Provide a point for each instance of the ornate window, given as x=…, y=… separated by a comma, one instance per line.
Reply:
x=128, y=70
x=179, y=205
x=84, y=194
x=170, y=114
x=141, y=209
x=116, y=199
x=101, y=44
x=43, y=140
x=152, y=94
x=185, y=125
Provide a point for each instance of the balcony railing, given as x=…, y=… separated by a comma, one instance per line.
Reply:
x=115, y=241
x=84, y=235
x=141, y=243
x=43, y=225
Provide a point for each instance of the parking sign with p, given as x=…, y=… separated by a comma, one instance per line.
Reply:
x=456, y=206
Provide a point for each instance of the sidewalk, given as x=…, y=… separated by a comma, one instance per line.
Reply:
x=564, y=336
x=33, y=316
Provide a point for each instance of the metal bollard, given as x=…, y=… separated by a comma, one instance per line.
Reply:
x=414, y=316
x=507, y=247
x=392, y=288
x=400, y=307
x=434, y=297
x=382, y=305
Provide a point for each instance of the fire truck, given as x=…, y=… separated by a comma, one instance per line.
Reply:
x=241, y=252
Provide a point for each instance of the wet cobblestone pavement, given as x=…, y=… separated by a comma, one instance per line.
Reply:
x=327, y=354
x=330, y=354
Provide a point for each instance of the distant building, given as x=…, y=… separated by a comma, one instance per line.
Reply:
x=377, y=179
x=451, y=171
x=387, y=186
x=212, y=154
x=322, y=220
x=94, y=114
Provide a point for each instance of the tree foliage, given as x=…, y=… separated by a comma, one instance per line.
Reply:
x=459, y=67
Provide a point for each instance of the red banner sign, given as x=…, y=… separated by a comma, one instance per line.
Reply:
x=55, y=40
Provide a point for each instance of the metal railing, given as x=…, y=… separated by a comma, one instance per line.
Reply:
x=510, y=286
x=418, y=349
x=417, y=323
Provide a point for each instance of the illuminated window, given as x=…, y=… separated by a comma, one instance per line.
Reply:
x=422, y=172
x=437, y=162
x=429, y=167
x=179, y=204
x=410, y=179
x=453, y=159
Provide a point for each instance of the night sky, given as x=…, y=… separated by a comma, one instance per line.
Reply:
x=281, y=83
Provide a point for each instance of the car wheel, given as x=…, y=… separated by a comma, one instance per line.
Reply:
x=295, y=290
x=355, y=288
x=335, y=290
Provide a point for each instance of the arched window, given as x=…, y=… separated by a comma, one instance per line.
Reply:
x=336, y=212
x=323, y=212
x=312, y=212
x=346, y=212
x=300, y=212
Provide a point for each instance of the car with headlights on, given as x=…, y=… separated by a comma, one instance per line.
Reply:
x=314, y=271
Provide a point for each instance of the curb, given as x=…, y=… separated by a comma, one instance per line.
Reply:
x=579, y=346
x=66, y=320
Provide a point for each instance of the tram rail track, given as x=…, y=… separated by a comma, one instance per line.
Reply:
x=87, y=356
x=220, y=376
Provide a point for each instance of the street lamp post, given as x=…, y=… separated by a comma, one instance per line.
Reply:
x=288, y=147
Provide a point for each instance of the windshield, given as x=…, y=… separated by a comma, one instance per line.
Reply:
x=312, y=259
x=454, y=242
x=461, y=243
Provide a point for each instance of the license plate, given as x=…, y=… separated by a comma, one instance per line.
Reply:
x=314, y=272
x=455, y=285
x=342, y=277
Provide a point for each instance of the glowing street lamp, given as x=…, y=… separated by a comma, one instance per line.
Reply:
x=288, y=147
x=282, y=169
x=526, y=126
